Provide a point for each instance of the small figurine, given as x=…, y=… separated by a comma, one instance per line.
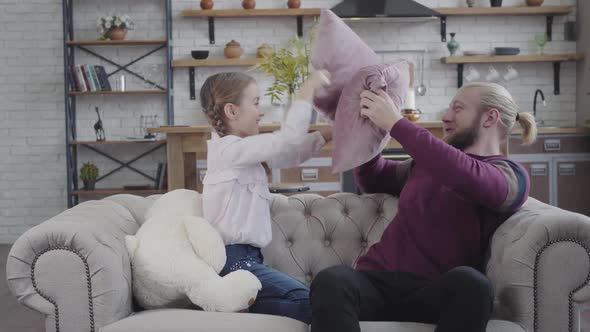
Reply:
x=98, y=128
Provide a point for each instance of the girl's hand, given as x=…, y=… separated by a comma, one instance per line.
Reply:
x=317, y=80
x=326, y=133
x=380, y=109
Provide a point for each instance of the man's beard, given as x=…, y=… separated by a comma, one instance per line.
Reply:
x=464, y=138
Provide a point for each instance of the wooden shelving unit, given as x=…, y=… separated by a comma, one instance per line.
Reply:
x=548, y=11
x=115, y=42
x=214, y=62
x=116, y=191
x=212, y=14
x=250, y=12
x=556, y=59
x=138, y=92
x=121, y=142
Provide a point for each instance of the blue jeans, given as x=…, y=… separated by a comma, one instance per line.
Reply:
x=280, y=295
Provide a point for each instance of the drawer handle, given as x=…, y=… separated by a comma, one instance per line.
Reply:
x=309, y=174
x=552, y=145
x=538, y=170
x=567, y=169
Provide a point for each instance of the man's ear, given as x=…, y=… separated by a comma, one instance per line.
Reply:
x=490, y=118
x=231, y=111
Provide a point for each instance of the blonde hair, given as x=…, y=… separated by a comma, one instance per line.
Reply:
x=219, y=90
x=496, y=96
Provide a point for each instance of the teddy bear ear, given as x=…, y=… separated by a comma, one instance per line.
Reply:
x=131, y=242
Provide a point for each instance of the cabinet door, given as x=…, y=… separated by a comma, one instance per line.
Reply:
x=573, y=186
x=539, y=174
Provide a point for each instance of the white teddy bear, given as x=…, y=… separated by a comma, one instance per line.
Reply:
x=177, y=255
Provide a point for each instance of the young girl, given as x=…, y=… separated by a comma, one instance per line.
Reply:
x=236, y=198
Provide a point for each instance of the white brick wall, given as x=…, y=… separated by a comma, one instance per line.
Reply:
x=32, y=175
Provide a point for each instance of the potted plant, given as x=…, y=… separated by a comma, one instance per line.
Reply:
x=89, y=174
x=288, y=66
x=114, y=27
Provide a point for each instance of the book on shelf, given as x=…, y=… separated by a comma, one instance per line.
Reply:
x=103, y=78
x=94, y=77
x=86, y=78
x=164, y=178
x=88, y=71
x=158, y=175
x=80, y=77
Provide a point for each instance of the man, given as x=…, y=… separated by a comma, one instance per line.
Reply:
x=428, y=265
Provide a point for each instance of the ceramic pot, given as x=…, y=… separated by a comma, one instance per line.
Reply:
x=116, y=34
x=233, y=50
x=206, y=4
x=294, y=3
x=263, y=51
x=249, y=4
x=412, y=115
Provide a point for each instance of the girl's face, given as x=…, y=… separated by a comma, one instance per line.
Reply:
x=244, y=118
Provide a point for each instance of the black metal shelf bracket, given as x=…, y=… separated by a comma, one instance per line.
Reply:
x=300, y=26
x=460, y=75
x=191, y=82
x=211, y=30
x=549, y=27
x=556, y=72
x=443, y=28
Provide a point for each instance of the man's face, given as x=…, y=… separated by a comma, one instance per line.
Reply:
x=461, y=123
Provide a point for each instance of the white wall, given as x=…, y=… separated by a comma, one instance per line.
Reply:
x=32, y=174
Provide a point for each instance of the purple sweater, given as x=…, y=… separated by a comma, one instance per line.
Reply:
x=450, y=203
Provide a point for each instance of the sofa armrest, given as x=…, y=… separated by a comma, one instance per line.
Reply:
x=74, y=268
x=540, y=267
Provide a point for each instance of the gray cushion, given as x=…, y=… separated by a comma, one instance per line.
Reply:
x=185, y=320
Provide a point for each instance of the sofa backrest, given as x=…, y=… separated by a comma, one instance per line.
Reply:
x=311, y=232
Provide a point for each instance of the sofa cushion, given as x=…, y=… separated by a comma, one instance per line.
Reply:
x=185, y=320
x=356, y=139
x=493, y=326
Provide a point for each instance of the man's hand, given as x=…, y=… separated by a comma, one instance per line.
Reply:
x=380, y=109
x=317, y=80
x=326, y=133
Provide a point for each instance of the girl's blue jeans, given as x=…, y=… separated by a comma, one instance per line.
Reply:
x=280, y=295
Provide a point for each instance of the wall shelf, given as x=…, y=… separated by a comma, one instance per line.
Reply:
x=219, y=62
x=556, y=59
x=138, y=92
x=115, y=191
x=115, y=42
x=121, y=142
x=548, y=11
x=215, y=13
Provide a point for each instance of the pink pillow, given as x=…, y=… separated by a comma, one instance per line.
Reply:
x=337, y=49
x=357, y=140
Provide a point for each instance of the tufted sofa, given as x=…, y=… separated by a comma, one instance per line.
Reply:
x=75, y=270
